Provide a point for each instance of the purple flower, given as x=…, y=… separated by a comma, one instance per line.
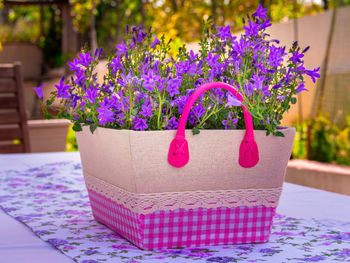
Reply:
x=85, y=59
x=313, y=74
x=91, y=94
x=116, y=64
x=301, y=88
x=198, y=110
x=146, y=110
x=150, y=80
x=265, y=24
x=231, y=121
x=105, y=115
x=252, y=29
x=173, y=86
x=172, y=124
x=224, y=33
x=192, y=56
x=260, y=13
x=232, y=101
x=140, y=124
x=296, y=57
x=89, y=261
x=57, y=242
x=258, y=81
x=39, y=91
x=62, y=90
x=74, y=65
x=212, y=60
x=122, y=48
x=155, y=42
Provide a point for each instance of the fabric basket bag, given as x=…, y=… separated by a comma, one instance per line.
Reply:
x=217, y=187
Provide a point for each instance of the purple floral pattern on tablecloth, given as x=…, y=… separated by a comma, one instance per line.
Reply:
x=53, y=202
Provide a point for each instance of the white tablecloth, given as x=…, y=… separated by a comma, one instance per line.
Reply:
x=19, y=244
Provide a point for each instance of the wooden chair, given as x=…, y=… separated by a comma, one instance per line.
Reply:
x=14, y=135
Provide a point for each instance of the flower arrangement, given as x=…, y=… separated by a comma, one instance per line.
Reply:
x=148, y=83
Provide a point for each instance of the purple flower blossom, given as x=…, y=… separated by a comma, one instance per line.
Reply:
x=265, y=24
x=150, y=80
x=155, y=42
x=74, y=65
x=122, y=48
x=62, y=90
x=39, y=91
x=140, y=124
x=146, y=110
x=105, y=114
x=258, y=81
x=173, y=86
x=198, y=110
x=91, y=94
x=85, y=59
x=252, y=29
x=313, y=74
x=260, y=13
x=231, y=121
x=225, y=33
x=301, y=88
x=233, y=101
x=116, y=64
x=192, y=57
x=172, y=124
x=296, y=57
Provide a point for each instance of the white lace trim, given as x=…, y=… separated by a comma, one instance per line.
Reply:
x=149, y=203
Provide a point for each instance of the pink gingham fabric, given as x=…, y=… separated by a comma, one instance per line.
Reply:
x=185, y=227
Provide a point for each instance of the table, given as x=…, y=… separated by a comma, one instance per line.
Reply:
x=19, y=244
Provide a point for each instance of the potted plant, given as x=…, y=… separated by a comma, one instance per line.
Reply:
x=217, y=184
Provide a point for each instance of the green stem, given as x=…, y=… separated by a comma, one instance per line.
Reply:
x=159, y=111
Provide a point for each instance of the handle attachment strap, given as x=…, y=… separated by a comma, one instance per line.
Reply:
x=178, y=155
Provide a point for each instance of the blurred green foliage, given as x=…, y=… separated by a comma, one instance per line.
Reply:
x=71, y=143
x=329, y=143
x=180, y=19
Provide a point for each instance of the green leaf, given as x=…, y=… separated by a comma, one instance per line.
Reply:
x=293, y=100
x=48, y=102
x=134, y=112
x=279, y=134
x=93, y=127
x=77, y=127
x=48, y=116
x=195, y=131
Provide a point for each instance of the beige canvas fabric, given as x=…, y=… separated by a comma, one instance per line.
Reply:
x=136, y=161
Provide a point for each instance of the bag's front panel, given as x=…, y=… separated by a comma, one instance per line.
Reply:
x=213, y=163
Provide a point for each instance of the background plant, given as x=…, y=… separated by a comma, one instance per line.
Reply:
x=146, y=87
x=328, y=142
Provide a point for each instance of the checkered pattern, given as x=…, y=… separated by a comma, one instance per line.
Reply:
x=185, y=228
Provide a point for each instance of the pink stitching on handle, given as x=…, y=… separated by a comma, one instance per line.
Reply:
x=248, y=152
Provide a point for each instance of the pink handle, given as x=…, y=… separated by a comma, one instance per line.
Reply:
x=248, y=152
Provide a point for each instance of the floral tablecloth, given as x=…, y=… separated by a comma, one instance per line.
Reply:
x=52, y=201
